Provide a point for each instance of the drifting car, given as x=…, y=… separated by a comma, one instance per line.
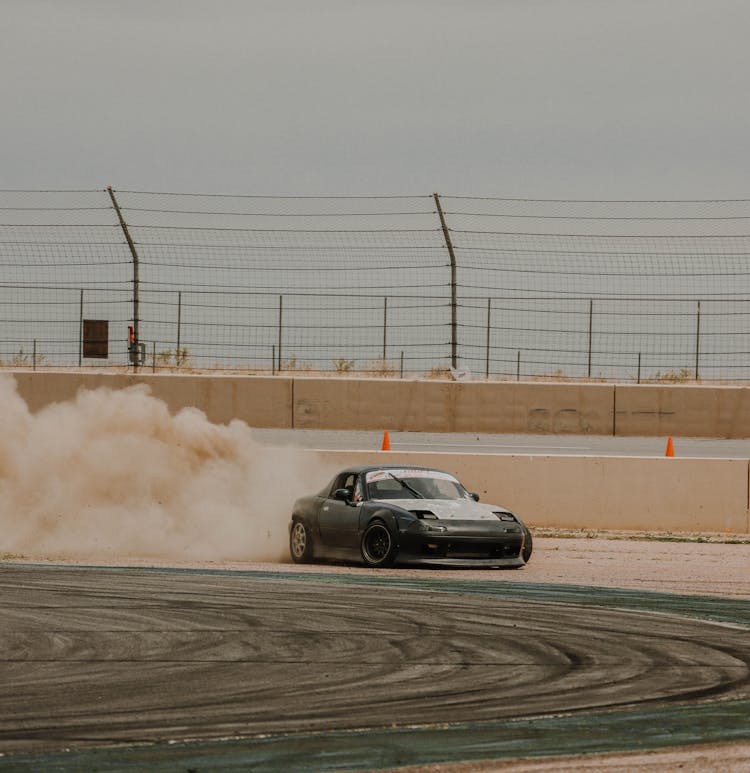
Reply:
x=389, y=514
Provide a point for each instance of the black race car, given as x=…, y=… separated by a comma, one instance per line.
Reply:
x=390, y=514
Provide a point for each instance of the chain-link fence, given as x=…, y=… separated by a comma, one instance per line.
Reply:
x=508, y=288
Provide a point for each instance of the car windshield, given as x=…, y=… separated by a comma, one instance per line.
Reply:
x=413, y=484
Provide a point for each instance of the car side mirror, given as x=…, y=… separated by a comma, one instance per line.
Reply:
x=344, y=494
x=474, y=496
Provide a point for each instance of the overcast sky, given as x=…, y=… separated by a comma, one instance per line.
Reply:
x=539, y=98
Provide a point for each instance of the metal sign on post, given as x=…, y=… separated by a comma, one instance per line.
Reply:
x=96, y=338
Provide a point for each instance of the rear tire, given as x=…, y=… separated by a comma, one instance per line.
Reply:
x=300, y=543
x=378, y=547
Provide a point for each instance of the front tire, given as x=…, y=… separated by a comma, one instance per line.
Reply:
x=378, y=547
x=300, y=543
x=528, y=545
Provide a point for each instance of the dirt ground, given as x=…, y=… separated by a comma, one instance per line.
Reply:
x=691, y=564
x=708, y=565
x=726, y=758
x=705, y=565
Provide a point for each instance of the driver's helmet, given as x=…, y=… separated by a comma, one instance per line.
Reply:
x=429, y=488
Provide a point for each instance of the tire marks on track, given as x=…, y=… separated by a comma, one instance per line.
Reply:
x=89, y=657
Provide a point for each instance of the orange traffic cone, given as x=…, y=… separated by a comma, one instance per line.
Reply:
x=670, y=447
x=386, y=442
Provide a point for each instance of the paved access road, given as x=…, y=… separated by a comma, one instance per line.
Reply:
x=536, y=445
x=94, y=657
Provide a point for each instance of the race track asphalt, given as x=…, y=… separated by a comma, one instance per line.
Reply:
x=123, y=669
x=489, y=443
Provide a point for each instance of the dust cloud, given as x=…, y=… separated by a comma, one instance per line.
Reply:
x=111, y=474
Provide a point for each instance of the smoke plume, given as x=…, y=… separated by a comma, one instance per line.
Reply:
x=112, y=474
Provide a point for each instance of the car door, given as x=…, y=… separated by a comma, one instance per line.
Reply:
x=339, y=520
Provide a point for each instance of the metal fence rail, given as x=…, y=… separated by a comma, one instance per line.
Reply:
x=509, y=288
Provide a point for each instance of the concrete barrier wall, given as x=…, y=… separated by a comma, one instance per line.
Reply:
x=328, y=403
x=261, y=402
x=580, y=492
x=428, y=406
x=685, y=410
x=445, y=406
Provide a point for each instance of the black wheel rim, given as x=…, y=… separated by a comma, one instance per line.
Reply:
x=377, y=544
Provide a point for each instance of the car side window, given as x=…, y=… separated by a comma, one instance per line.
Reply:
x=345, y=480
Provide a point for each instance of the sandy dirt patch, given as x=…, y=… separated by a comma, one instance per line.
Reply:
x=707, y=566
x=724, y=758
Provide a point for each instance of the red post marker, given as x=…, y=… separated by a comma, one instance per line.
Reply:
x=131, y=337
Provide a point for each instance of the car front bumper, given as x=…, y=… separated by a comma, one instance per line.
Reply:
x=462, y=543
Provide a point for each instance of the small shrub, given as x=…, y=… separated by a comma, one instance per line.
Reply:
x=293, y=364
x=181, y=357
x=20, y=359
x=164, y=358
x=167, y=358
x=558, y=373
x=674, y=376
x=382, y=368
x=342, y=365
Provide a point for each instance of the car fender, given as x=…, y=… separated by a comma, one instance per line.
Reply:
x=393, y=517
x=300, y=516
x=307, y=509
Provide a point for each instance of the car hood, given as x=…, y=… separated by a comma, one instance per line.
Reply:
x=447, y=509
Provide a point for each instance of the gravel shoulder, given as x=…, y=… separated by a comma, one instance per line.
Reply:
x=700, y=564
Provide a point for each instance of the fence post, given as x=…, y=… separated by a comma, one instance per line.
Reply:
x=33, y=360
x=487, y=358
x=179, y=324
x=591, y=329
x=454, y=305
x=273, y=360
x=518, y=366
x=697, y=340
x=639, y=367
x=402, y=365
x=136, y=282
x=153, y=355
x=80, y=332
x=281, y=316
x=385, y=325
